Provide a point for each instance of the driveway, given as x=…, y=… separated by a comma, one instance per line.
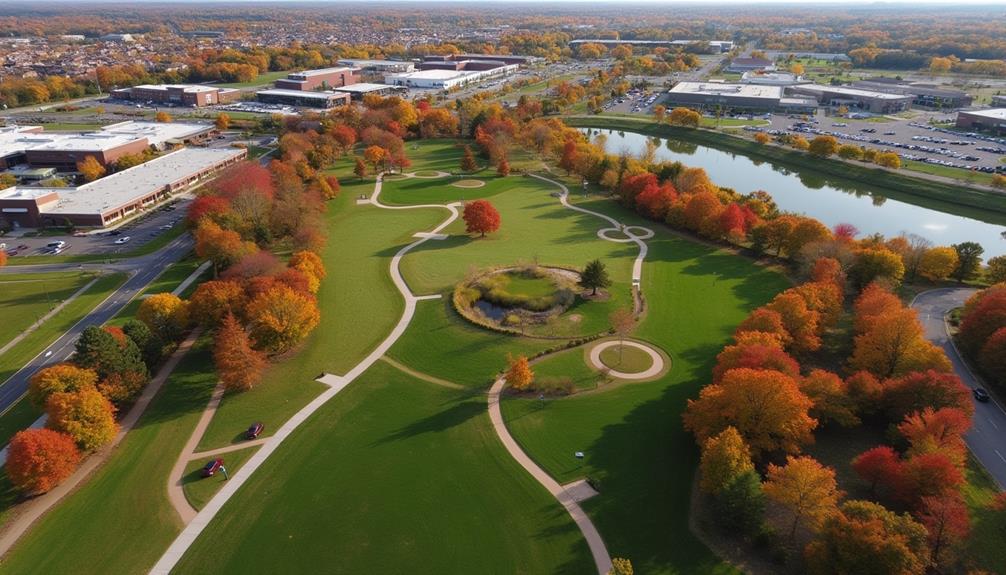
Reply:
x=987, y=438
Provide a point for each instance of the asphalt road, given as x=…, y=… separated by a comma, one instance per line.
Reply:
x=142, y=271
x=987, y=438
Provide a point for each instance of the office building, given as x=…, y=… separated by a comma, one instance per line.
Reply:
x=178, y=94
x=854, y=98
x=736, y=97
x=991, y=120
x=324, y=79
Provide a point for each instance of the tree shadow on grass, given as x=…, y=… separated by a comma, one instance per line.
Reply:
x=460, y=411
x=187, y=390
x=560, y=525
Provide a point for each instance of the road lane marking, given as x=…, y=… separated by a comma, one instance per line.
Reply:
x=992, y=422
x=1000, y=455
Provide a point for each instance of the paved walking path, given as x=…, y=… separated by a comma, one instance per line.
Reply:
x=336, y=384
x=46, y=317
x=32, y=511
x=175, y=492
x=192, y=277
x=655, y=368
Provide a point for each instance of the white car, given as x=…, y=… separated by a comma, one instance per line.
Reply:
x=122, y=240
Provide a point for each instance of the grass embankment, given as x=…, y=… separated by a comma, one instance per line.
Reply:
x=986, y=206
x=172, y=276
x=127, y=493
x=260, y=80
x=632, y=436
x=26, y=298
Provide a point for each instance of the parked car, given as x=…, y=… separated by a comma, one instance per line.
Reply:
x=980, y=394
x=254, y=430
x=211, y=467
x=122, y=240
x=55, y=245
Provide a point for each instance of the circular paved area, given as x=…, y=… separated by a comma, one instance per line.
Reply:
x=468, y=184
x=427, y=175
x=630, y=233
x=655, y=368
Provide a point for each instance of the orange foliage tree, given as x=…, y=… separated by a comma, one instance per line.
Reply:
x=40, y=459
x=213, y=300
x=806, y=489
x=519, y=374
x=766, y=407
x=895, y=345
x=86, y=415
x=481, y=217
x=279, y=318
x=238, y=365
x=62, y=377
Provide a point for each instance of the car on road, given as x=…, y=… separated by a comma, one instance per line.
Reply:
x=55, y=245
x=212, y=466
x=980, y=394
x=254, y=430
x=166, y=227
x=122, y=240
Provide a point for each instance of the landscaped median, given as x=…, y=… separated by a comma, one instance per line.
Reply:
x=984, y=205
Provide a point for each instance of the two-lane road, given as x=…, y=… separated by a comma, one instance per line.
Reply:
x=142, y=271
x=987, y=438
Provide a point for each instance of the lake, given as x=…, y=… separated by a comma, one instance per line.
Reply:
x=812, y=194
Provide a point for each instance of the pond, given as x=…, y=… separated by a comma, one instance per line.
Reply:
x=828, y=199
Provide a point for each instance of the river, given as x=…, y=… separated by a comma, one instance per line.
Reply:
x=814, y=195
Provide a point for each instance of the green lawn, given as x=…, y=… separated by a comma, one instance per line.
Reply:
x=570, y=363
x=632, y=435
x=120, y=518
x=172, y=276
x=26, y=298
x=393, y=475
x=626, y=358
x=198, y=489
x=260, y=80
x=72, y=126
x=948, y=172
x=414, y=191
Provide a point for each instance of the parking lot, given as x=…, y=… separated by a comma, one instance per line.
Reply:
x=138, y=231
x=912, y=139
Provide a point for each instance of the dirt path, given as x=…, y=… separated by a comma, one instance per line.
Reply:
x=420, y=375
x=175, y=492
x=32, y=511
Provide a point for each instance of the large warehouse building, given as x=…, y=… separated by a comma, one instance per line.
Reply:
x=303, y=99
x=178, y=94
x=854, y=98
x=114, y=197
x=439, y=79
x=726, y=97
x=30, y=145
x=379, y=66
x=923, y=96
x=992, y=120
x=324, y=79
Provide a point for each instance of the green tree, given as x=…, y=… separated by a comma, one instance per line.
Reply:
x=741, y=504
x=594, y=276
x=151, y=346
x=969, y=260
x=996, y=272
x=99, y=350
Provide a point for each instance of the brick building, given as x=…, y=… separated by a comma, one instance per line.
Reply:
x=178, y=94
x=324, y=79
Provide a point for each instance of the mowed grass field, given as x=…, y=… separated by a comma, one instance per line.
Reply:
x=632, y=436
x=26, y=298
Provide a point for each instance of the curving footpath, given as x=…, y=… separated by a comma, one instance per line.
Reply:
x=655, y=368
x=336, y=384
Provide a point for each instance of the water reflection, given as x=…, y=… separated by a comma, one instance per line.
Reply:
x=829, y=199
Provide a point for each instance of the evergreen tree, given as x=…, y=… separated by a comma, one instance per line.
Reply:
x=595, y=276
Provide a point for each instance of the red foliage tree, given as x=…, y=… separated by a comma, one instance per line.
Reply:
x=481, y=217
x=983, y=316
x=207, y=206
x=919, y=390
x=632, y=186
x=929, y=475
x=40, y=459
x=244, y=177
x=567, y=160
x=732, y=223
x=880, y=467
x=755, y=357
x=992, y=356
x=654, y=201
x=947, y=521
x=238, y=365
x=845, y=232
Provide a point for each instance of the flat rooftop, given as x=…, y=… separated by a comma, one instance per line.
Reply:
x=356, y=62
x=15, y=141
x=993, y=113
x=728, y=90
x=300, y=93
x=92, y=142
x=433, y=74
x=122, y=188
x=366, y=87
x=183, y=87
x=855, y=92
x=320, y=72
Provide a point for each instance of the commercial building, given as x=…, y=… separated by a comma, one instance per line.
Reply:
x=379, y=66
x=114, y=197
x=771, y=78
x=854, y=98
x=303, y=99
x=361, y=89
x=923, y=95
x=439, y=79
x=178, y=94
x=741, y=65
x=508, y=59
x=826, y=56
x=713, y=45
x=999, y=101
x=739, y=97
x=991, y=120
x=323, y=79
x=30, y=145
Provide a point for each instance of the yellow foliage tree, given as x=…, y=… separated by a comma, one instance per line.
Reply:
x=806, y=489
x=85, y=415
x=724, y=458
x=62, y=377
x=90, y=168
x=519, y=374
x=279, y=318
x=165, y=314
x=938, y=263
x=163, y=117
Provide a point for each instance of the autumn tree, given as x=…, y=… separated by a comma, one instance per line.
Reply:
x=61, y=377
x=480, y=217
x=725, y=457
x=310, y=264
x=594, y=276
x=684, y=117
x=90, y=168
x=86, y=415
x=238, y=365
x=933, y=474
x=984, y=314
x=620, y=566
x=223, y=121
x=879, y=467
x=375, y=155
x=801, y=323
x=948, y=523
x=938, y=263
x=940, y=429
x=166, y=314
x=468, y=163
x=823, y=146
x=220, y=246
x=519, y=374
x=872, y=264
x=806, y=489
x=830, y=395
x=162, y=117
x=919, y=390
x=213, y=300
x=866, y=539
x=895, y=345
x=768, y=321
x=888, y=160
x=755, y=356
x=503, y=167
x=762, y=138
x=569, y=156
x=766, y=407
x=40, y=459
x=279, y=318
x=360, y=168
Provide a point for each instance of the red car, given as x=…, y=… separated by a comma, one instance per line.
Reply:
x=254, y=431
x=211, y=468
